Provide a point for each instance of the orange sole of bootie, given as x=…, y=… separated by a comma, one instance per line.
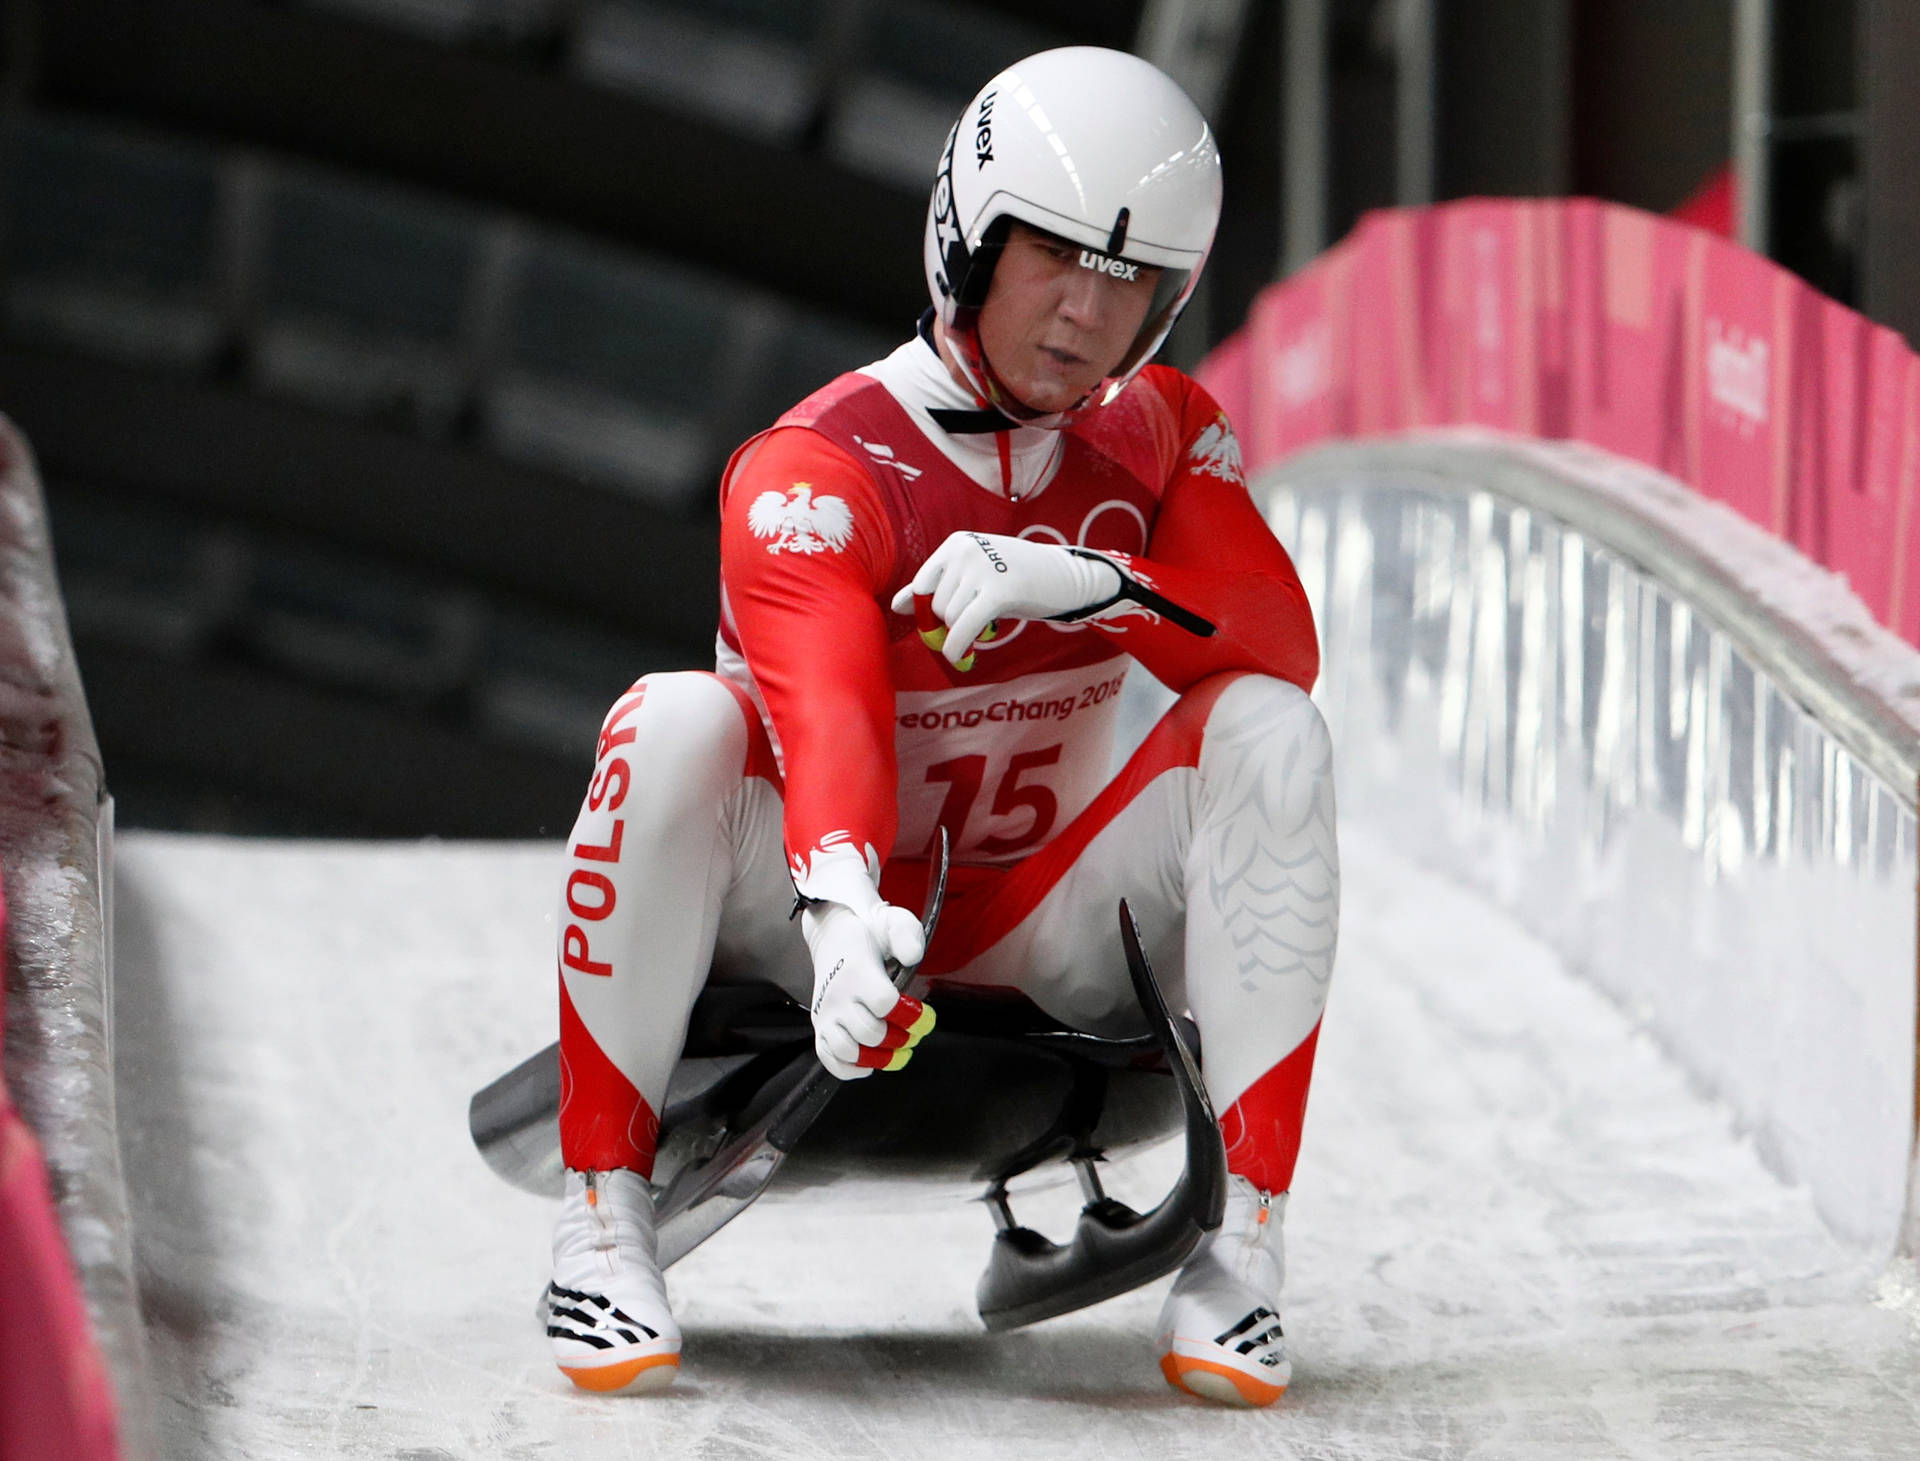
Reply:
x=1217, y=1382
x=626, y=1377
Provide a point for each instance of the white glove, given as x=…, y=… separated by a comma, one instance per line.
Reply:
x=976, y=578
x=861, y=1023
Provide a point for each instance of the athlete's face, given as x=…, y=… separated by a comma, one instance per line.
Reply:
x=1053, y=328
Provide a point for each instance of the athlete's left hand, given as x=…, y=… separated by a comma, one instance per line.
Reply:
x=976, y=578
x=861, y=1021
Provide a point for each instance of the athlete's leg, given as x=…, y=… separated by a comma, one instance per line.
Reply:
x=1263, y=898
x=1263, y=910
x=681, y=822
x=1219, y=831
x=680, y=830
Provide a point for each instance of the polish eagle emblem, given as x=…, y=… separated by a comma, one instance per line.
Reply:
x=1216, y=451
x=798, y=522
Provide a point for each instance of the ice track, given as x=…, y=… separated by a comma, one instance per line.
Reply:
x=1516, y=1231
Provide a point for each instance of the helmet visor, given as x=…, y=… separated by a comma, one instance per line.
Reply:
x=1169, y=293
x=1046, y=306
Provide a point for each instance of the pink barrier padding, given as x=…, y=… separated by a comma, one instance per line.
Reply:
x=1586, y=320
x=56, y=1398
x=1224, y=374
x=1740, y=363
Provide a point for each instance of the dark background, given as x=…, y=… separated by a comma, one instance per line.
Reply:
x=381, y=355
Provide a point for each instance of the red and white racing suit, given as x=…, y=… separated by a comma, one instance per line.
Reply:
x=832, y=742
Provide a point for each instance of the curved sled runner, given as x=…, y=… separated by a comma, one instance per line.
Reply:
x=1114, y=1249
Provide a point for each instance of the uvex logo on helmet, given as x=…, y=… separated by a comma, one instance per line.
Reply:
x=983, y=131
x=1103, y=264
x=946, y=220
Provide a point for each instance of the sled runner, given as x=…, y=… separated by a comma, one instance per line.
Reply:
x=1114, y=1249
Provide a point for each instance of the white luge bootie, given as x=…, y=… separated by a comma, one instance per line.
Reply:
x=1219, y=1334
x=607, y=1311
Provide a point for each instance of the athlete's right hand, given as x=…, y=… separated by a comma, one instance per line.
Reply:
x=861, y=1023
x=973, y=580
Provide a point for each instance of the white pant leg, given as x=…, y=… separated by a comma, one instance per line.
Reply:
x=1263, y=882
x=673, y=841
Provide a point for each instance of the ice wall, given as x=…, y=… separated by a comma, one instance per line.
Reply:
x=55, y=835
x=1677, y=751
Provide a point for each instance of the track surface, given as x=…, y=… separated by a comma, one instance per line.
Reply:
x=1516, y=1232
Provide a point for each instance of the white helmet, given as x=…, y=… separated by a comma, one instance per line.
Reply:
x=1097, y=147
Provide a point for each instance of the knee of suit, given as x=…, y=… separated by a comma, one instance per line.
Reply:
x=671, y=723
x=1260, y=719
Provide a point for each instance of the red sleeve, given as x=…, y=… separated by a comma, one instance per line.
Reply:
x=806, y=548
x=1212, y=554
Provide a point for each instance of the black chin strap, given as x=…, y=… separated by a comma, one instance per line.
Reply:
x=957, y=422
